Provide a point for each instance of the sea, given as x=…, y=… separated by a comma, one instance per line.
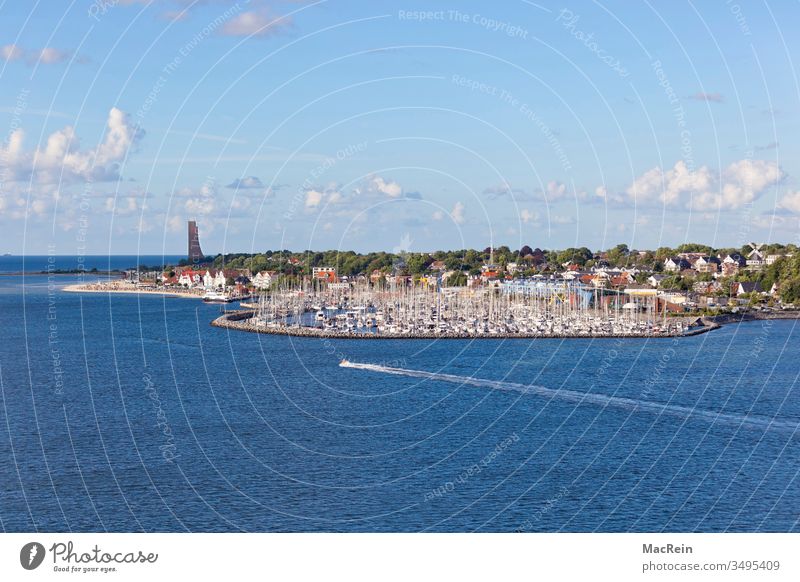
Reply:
x=43, y=263
x=130, y=413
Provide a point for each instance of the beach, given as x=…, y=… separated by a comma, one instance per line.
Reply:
x=117, y=287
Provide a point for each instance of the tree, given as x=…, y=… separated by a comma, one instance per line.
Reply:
x=790, y=290
x=457, y=279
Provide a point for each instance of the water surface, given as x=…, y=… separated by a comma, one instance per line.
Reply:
x=131, y=413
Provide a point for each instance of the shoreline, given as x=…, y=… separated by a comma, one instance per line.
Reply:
x=237, y=320
x=81, y=288
x=61, y=274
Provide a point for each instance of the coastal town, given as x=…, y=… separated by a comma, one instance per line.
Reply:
x=528, y=292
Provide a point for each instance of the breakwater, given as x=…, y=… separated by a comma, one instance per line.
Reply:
x=240, y=320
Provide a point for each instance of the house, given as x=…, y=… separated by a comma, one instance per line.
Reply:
x=169, y=278
x=734, y=259
x=676, y=264
x=264, y=279
x=601, y=279
x=190, y=278
x=214, y=279
x=621, y=279
x=490, y=271
x=706, y=264
x=706, y=287
x=438, y=266
x=513, y=268
x=731, y=264
x=325, y=274
x=771, y=259
x=655, y=280
x=691, y=257
x=743, y=287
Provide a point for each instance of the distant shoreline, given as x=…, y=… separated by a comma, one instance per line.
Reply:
x=184, y=293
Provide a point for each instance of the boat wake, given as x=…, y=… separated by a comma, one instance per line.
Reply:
x=602, y=400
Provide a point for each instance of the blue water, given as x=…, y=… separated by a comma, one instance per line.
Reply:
x=42, y=263
x=133, y=414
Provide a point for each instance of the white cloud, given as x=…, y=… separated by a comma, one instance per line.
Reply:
x=740, y=183
x=555, y=190
x=391, y=188
x=124, y=206
x=527, y=216
x=255, y=23
x=11, y=52
x=790, y=202
x=368, y=192
x=176, y=223
x=313, y=198
x=457, y=214
x=200, y=206
x=198, y=202
x=47, y=56
x=62, y=161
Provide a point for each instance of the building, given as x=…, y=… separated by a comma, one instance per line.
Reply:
x=676, y=264
x=490, y=271
x=756, y=259
x=746, y=287
x=190, y=278
x=706, y=264
x=732, y=263
x=264, y=279
x=214, y=278
x=195, y=252
x=771, y=259
x=325, y=274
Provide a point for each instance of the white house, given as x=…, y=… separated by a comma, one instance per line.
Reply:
x=707, y=264
x=214, y=279
x=772, y=258
x=263, y=279
x=675, y=264
x=190, y=278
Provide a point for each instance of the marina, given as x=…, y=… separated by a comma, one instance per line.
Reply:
x=532, y=310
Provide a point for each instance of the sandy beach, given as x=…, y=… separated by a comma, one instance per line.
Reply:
x=129, y=289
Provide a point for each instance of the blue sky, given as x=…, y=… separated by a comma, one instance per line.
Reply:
x=396, y=125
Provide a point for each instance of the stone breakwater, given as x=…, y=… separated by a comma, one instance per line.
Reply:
x=239, y=320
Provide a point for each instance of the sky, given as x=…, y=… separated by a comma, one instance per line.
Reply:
x=396, y=126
